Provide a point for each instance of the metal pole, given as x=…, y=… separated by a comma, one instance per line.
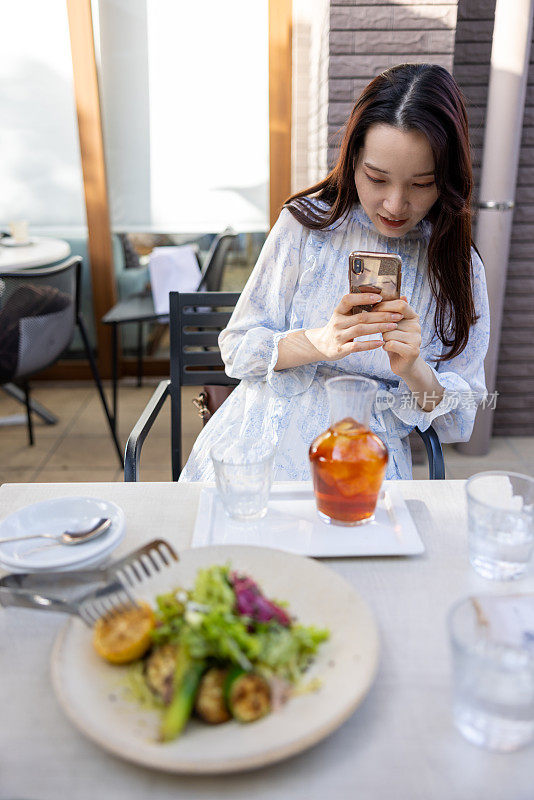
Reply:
x=512, y=35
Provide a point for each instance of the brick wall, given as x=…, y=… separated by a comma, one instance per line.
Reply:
x=367, y=36
x=338, y=47
x=474, y=33
x=310, y=92
x=300, y=111
x=317, y=156
x=515, y=373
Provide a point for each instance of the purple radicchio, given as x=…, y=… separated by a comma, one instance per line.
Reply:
x=250, y=602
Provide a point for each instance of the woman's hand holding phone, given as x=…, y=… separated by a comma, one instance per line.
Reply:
x=336, y=339
x=403, y=349
x=403, y=344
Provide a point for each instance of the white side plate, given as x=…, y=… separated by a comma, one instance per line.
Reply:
x=55, y=516
x=292, y=524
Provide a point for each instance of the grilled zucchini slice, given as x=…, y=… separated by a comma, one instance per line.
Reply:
x=209, y=703
x=248, y=695
x=159, y=671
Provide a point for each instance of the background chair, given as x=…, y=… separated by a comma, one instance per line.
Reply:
x=213, y=268
x=130, y=278
x=196, y=320
x=39, y=312
x=139, y=308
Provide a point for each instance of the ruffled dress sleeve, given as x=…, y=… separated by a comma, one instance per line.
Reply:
x=462, y=377
x=249, y=344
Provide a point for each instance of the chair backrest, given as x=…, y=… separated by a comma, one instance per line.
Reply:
x=195, y=321
x=38, y=313
x=434, y=451
x=213, y=269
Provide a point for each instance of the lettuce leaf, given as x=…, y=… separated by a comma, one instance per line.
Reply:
x=212, y=623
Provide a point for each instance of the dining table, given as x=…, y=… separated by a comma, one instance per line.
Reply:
x=40, y=251
x=399, y=744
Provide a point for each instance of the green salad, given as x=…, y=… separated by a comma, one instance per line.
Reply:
x=222, y=650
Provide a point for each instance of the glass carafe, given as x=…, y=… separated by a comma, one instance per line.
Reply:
x=348, y=461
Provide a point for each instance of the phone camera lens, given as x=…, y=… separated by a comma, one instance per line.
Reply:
x=357, y=266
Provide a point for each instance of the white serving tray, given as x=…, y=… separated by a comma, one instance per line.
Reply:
x=292, y=524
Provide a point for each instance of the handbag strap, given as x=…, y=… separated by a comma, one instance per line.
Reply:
x=201, y=403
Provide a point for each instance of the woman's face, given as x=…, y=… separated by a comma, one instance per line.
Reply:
x=395, y=178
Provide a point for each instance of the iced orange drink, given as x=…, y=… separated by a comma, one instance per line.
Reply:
x=348, y=463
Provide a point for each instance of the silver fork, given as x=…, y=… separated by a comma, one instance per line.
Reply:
x=70, y=592
x=143, y=563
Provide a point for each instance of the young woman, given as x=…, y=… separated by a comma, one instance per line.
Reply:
x=402, y=184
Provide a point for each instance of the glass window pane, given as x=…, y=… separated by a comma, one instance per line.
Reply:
x=186, y=117
x=40, y=169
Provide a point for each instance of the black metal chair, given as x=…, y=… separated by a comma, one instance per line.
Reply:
x=434, y=451
x=39, y=311
x=196, y=320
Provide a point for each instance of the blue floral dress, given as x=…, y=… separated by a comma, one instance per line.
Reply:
x=300, y=277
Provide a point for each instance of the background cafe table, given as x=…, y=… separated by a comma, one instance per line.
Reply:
x=399, y=744
x=39, y=253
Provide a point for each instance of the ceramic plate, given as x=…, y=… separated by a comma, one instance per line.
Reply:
x=55, y=516
x=94, y=694
x=95, y=561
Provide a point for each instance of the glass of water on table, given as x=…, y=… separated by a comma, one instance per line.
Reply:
x=500, y=510
x=492, y=648
x=243, y=474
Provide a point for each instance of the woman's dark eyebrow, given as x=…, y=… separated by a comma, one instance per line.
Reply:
x=376, y=169
x=385, y=172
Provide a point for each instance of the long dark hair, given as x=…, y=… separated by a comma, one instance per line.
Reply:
x=426, y=98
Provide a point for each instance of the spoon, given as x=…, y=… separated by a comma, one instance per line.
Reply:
x=67, y=537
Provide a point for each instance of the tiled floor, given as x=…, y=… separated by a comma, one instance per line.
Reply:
x=79, y=447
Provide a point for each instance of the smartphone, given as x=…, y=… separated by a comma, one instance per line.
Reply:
x=379, y=273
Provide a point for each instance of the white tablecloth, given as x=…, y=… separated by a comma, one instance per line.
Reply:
x=41, y=252
x=399, y=745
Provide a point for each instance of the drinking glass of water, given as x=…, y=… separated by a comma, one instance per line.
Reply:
x=493, y=671
x=500, y=511
x=243, y=473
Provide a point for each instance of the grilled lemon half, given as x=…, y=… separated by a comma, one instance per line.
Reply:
x=124, y=636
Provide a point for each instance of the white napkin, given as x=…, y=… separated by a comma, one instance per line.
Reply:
x=172, y=269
